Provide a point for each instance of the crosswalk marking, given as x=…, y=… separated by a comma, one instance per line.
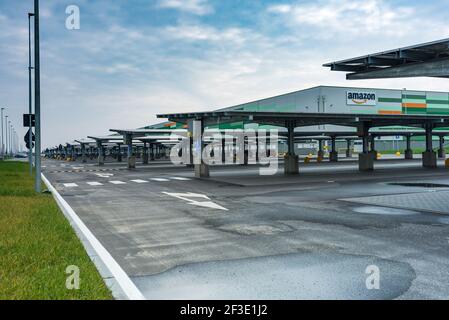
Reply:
x=94, y=184
x=70, y=185
x=160, y=179
x=117, y=182
x=139, y=181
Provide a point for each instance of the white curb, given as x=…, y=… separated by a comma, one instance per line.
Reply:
x=124, y=282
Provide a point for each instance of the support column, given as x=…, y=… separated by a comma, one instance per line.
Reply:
x=408, y=150
x=119, y=153
x=333, y=155
x=151, y=152
x=366, y=160
x=131, y=156
x=145, y=154
x=441, y=151
x=83, y=153
x=291, y=161
x=201, y=169
x=429, y=157
x=100, y=154
x=348, y=148
x=245, y=151
x=320, y=151
x=223, y=151
x=373, y=147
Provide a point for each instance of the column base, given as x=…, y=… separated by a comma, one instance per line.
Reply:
x=145, y=159
x=409, y=154
x=333, y=156
x=131, y=162
x=348, y=154
x=429, y=159
x=291, y=164
x=442, y=153
x=201, y=170
x=101, y=160
x=366, y=161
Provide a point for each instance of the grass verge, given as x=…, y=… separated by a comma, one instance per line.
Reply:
x=37, y=244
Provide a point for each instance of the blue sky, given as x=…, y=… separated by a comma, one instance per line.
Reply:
x=133, y=59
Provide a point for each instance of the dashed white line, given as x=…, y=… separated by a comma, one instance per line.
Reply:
x=94, y=184
x=70, y=185
x=139, y=181
x=180, y=178
x=159, y=179
x=117, y=182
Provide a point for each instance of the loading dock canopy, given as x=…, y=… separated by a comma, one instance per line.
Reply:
x=309, y=119
x=423, y=60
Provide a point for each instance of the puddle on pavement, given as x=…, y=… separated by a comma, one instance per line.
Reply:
x=419, y=185
x=293, y=276
x=384, y=211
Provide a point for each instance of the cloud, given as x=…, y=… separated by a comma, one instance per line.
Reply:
x=198, y=7
x=352, y=17
x=205, y=33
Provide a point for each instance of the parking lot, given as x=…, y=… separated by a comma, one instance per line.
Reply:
x=238, y=235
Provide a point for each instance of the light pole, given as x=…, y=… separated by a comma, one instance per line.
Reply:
x=30, y=100
x=6, y=135
x=2, y=146
x=37, y=97
x=10, y=138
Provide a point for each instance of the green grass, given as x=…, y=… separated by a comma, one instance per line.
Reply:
x=37, y=244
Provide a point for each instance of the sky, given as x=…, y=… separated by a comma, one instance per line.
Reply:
x=133, y=59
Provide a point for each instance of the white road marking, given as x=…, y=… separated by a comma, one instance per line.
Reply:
x=70, y=185
x=78, y=168
x=187, y=196
x=160, y=179
x=94, y=183
x=117, y=182
x=180, y=178
x=139, y=181
x=104, y=175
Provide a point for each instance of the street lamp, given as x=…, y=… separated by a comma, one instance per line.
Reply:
x=2, y=146
x=6, y=134
x=37, y=97
x=10, y=138
x=30, y=108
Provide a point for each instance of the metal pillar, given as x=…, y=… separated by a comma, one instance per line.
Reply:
x=37, y=97
x=145, y=154
x=223, y=150
x=201, y=169
x=83, y=153
x=2, y=146
x=429, y=157
x=441, y=150
x=348, y=148
x=373, y=146
x=131, y=156
x=101, y=152
x=291, y=161
x=366, y=159
x=30, y=103
x=408, y=150
x=333, y=155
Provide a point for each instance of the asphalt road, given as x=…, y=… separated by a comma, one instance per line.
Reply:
x=239, y=235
